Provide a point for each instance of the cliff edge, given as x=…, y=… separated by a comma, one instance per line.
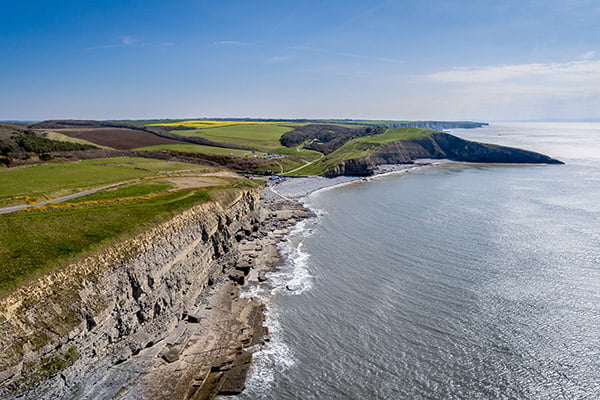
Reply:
x=100, y=326
x=437, y=145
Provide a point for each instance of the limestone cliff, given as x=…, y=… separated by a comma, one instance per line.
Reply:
x=438, y=125
x=97, y=313
x=438, y=146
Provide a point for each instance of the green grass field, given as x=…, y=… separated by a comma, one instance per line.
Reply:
x=33, y=242
x=59, y=179
x=133, y=190
x=361, y=147
x=285, y=164
x=264, y=138
x=198, y=148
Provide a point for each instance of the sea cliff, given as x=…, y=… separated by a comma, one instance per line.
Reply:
x=102, y=326
x=438, y=145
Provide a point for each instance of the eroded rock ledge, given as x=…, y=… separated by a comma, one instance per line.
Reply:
x=439, y=146
x=122, y=323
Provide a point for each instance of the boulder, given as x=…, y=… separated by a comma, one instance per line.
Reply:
x=169, y=355
x=193, y=318
x=237, y=276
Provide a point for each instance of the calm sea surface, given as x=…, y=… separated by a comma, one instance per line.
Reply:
x=449, y=282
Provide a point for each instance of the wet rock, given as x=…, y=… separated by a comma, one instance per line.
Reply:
x=193, y=318
x=262, y=276
x=237, y=276
x=170, y=355
x=244, y=266
x=224, y=366
x=234, y=380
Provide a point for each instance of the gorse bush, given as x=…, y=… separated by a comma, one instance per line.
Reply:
x=29, y=141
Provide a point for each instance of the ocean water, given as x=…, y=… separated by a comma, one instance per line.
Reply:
x=449, y=282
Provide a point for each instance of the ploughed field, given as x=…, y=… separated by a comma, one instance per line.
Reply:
x=118, y=138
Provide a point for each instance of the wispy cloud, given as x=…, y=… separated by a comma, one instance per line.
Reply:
x=521, y=91
x=306, y=48
x=129, y=41
x=277, y=59
x=389, y=60
x=345, y=54
x=351, y=55
x=232, y=43
x=574, y=71
x=588, y=55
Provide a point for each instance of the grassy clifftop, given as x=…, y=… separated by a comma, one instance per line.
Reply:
x=49, y=236
x=360, y=148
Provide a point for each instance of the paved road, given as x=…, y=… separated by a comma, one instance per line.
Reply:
x=305, y=165
x=58, y=199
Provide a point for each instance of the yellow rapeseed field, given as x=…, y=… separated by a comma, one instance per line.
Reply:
x=212, y=124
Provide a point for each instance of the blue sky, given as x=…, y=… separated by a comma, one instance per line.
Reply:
x=428, y=59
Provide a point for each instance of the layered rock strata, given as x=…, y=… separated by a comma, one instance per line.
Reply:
x=104, y=326
x=438, y=146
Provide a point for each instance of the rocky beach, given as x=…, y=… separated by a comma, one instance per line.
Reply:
x=210, y=351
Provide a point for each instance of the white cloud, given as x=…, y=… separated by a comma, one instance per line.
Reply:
x=345, y=54
x=232, y=43
x=589, y=55
x=351, y=55
x=306, y=48
x=389, y=60
x=574, y=71
x=127, y=40
x=276, y=59
x=519, y=91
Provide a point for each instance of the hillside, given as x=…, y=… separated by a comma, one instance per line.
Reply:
x=19, y=145
x=259, y=147
x=404, y=145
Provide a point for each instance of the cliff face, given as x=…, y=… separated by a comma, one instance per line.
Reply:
x=99, y=312
x=439, y=125
x=439, y=146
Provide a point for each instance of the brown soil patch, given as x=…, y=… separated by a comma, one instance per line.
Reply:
x=118, y=138
x=191, y=182
x=223, y=173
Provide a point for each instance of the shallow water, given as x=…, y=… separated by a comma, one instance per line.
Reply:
x=450, y=282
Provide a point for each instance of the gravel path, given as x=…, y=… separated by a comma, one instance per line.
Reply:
x=7, y=210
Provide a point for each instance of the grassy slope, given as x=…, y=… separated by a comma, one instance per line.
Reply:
x=263, y=138
x=362, y=147
x=132, y=190
x=198, y=148
x=59, y=179
x=64, y=138
x=35, y=242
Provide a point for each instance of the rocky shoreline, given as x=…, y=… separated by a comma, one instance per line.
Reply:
x=211, y=352
x=156, y=316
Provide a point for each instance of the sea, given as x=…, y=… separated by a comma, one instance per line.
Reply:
x=453, y=281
